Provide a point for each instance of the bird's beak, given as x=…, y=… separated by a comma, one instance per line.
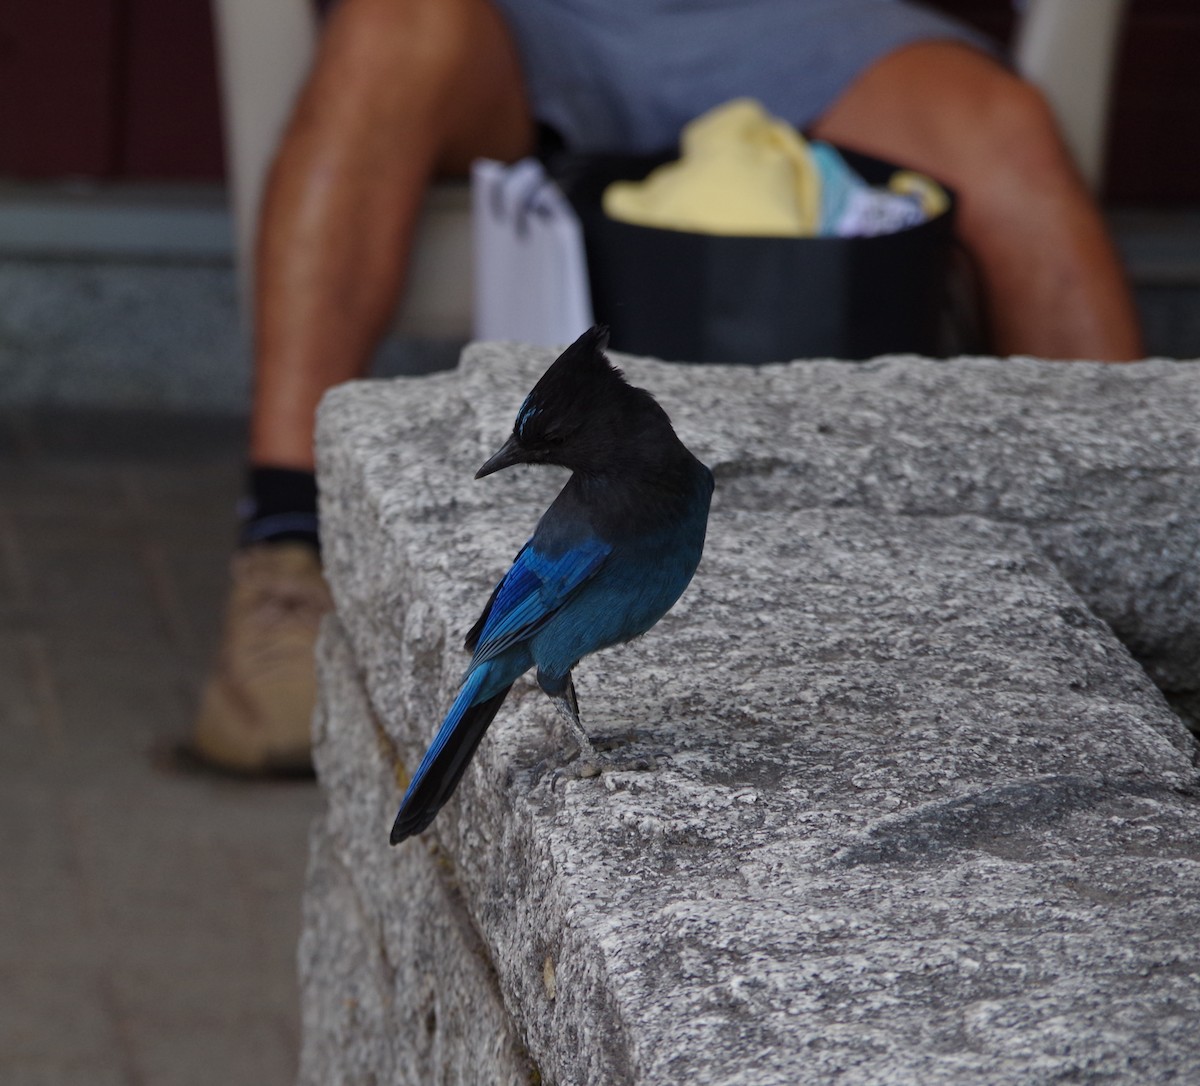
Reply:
x=508, y=454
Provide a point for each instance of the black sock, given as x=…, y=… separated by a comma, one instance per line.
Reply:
x=281, y=506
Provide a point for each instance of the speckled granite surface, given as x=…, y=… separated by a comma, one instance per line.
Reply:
x=919, y=816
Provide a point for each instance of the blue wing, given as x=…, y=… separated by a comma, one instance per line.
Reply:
x=531, y=591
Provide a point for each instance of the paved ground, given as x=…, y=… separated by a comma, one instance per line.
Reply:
x=148, y=916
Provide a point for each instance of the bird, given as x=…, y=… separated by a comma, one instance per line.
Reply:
x=608, y=558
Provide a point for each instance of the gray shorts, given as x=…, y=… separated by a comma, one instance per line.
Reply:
x=627, y=75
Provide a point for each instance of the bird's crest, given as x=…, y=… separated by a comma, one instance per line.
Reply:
x=574, y=376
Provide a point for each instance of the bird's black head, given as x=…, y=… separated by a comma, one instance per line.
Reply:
x=582, y=414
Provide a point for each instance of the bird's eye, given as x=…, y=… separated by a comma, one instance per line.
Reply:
x=554, y=439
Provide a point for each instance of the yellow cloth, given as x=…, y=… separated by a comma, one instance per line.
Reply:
x=931, y=195
x=742, y=171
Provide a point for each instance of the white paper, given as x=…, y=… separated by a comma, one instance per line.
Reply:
x=530, y=269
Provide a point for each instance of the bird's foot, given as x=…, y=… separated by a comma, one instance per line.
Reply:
x=592, y=757
x=606, y=754
x=568, y=708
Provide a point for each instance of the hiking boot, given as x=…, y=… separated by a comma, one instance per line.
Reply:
x=256, y=710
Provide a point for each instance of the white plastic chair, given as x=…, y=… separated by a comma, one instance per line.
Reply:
x=1066, y=47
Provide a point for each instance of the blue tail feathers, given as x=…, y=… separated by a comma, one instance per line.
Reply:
x=447, y=758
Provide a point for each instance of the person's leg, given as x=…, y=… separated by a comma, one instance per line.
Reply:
x=402, y=90
x=1051, y=277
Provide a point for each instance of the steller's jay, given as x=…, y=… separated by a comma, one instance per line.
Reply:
x=607, y=560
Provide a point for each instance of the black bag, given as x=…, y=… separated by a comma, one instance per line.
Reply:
x=707, y=298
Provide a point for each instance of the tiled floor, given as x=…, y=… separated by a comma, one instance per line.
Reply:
x=148, y=915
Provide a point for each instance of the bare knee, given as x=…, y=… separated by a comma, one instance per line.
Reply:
x=449, y=64
x=389, y=48
x=957, y=114
x=1006, y=147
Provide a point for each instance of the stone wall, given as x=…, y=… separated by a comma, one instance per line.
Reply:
x=918, y=816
